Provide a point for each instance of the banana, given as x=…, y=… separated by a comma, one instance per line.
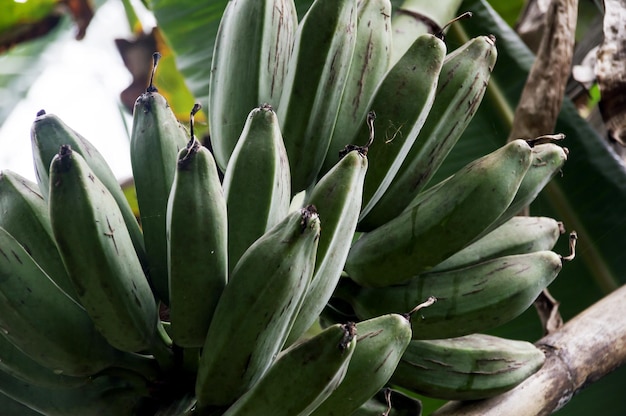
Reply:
x=43, y=321
x=547, y=161
x=256, y=310
x=302, y=376
x=254, y=41
x=435, y=227
x=98, y=254
x=461, y=86
x=402, y=102
x=316, y=75
x=19, y=365
x=102, y=396
x=337, y=198
x=256, y=182
x=470, y=299
x=518, y=235
x=369, y=64
x=156, y=139
x=25, y=216
x=48, y=133
x=197, y=243
x=12, y=407
x=471, y=367
x=381, y=342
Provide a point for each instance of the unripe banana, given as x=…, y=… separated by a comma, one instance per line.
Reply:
x=197, y=244
x=381, y=342
x=43, y=321
x=257, y=308
x=547, y=161
x=470, y=299
x=156, y=139
x=254, y=41
x=435, y=227
x=19, y=365
x=256, y=183
x=48, y=133
x=25, y=216
x=337, y=199
x=302, y=376
x=98, y=254
x=402, y=103
x=13, y=407
x=369, y=64
x=518, y=235
x=103, y=395
x=462, y=83
x=315, y=80
x=471, y=367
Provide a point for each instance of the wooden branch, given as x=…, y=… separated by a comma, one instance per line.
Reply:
x=543, y=93
x=582, y=351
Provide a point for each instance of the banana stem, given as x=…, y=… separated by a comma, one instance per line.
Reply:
x=161, y=349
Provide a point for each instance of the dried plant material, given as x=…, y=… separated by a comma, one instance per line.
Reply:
x=548, y=309
x=531, y=23
x=136, y=54
x=542, y=97
x=611, y=71
x=34, y=24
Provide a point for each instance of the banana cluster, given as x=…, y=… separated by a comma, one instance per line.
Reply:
x=223, y=298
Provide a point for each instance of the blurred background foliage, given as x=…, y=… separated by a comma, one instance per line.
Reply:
x=590, y=196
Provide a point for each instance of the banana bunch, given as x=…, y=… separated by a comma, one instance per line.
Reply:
x=221, y=298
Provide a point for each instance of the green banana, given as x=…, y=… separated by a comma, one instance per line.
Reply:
x=470, y=299
x=197, y=243
x=435, y=227
x=25, y=216
x=302, y=376
x=98, y=254
x=257, y=308
x=381, y=342
x=471, y=367
x=48, y=133
x=256, y=182
x=12, y=407
x=19, y=365
x=518, y=235
x=402, y=102
x=317, y=72
x=337, y=198
x=254, y=41
x=462, y=83
x=547, y=161
x=43, y=321
x=156, y=139
x=368, y=67
x=102, y=396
